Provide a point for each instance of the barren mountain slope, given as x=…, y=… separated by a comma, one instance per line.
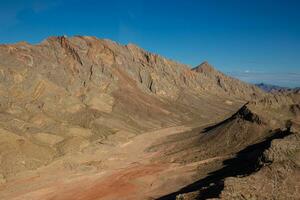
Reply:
x=248, y=160
x=59, y=96
x=278, y=178
x=117, y=118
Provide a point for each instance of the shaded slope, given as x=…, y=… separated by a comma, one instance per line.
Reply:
x=278, y=177
x=268, y=160
x=244, y=163
x=222, y=139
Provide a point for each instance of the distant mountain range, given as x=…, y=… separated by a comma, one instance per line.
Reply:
x=275, y=88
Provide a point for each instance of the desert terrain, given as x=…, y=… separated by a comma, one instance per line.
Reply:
x=83, y=118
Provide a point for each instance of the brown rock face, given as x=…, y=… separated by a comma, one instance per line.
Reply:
x=231, y=86
x=86, y=106
x=277, y=179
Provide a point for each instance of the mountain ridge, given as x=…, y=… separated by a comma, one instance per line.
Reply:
x=82, y=105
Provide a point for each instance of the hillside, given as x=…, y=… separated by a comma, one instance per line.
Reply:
x=92, y=111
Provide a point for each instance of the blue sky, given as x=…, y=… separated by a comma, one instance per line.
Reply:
x=255, y=40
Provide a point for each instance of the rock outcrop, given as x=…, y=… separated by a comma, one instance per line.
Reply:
x=277, y=179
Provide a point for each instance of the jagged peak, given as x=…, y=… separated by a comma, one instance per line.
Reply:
x=23, y=43
x=205, y=67
x=132, y=45
x=247, y=114
x=53, y=38
x=65, y=38
x=17, y=44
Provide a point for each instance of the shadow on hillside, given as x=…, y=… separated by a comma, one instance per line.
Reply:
x=244, y=163
x=226, y=120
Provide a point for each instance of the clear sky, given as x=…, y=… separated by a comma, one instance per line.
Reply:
x=255, y=40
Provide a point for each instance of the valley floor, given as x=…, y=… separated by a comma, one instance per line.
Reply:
x=148, y=166
x=129, y=170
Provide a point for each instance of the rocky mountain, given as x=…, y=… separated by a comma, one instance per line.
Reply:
x=270, y=88
x=230, y=85
x=275, y=88
x=92, y=111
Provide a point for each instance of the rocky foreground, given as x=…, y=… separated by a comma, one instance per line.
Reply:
x=85, y=118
